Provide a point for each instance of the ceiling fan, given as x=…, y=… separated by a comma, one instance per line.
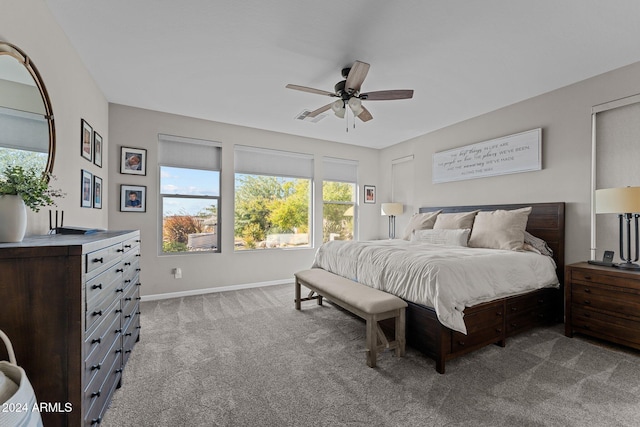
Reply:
x=348, y=91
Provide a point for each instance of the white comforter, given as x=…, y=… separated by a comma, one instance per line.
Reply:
x=447, y=278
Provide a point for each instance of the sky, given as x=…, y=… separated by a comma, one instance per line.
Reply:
x=190, y=182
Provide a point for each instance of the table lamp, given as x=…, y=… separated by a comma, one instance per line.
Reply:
x=391, y=210
x=626, y=203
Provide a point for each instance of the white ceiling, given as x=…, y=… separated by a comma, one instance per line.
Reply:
x=229, y=60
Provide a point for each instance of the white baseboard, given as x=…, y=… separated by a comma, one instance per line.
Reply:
x=212, y=290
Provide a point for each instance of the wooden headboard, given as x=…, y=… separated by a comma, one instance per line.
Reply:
x=546, y=221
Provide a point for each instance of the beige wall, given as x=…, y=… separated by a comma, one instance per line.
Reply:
x=134, y=127
x=565, y=118
x=29, y=25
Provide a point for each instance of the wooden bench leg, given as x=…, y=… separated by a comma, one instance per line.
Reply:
x=400, y=333
x=297, y=285
x=372, y=341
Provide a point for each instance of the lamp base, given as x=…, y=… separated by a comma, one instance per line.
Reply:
x=627, y=266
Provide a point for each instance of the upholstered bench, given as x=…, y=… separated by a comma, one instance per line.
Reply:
x=370, y=304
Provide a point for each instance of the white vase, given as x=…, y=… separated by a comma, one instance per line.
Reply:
x=13, y=218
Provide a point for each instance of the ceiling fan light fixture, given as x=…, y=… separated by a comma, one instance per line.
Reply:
x=356, y=106
x=338, y=108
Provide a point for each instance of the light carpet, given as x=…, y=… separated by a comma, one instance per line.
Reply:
x=248, y=358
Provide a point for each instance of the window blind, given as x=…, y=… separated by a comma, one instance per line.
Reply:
x=190, y=153
x=263, y=161
x=341, y=170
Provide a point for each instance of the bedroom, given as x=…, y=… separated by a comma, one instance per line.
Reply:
x=564, y=114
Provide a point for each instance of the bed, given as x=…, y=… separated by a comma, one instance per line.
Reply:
x=482, y=321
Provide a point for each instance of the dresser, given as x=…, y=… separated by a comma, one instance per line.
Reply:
x=603, y=302
x=70, y=305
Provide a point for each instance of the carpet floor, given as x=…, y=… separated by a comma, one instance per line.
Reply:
x=248, y=358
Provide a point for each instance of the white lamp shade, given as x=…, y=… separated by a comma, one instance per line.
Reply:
x=618, y=200
x=356, y=105
x=338, y=108
x=389, y=209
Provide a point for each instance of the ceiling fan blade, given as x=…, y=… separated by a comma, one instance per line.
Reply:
x=387, y=95
x=319, y=110
x=310, y=90
x=365, y=115
x=356, y=76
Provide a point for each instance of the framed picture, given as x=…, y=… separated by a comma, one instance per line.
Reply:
x=133, y=161
x=133, y=198
x=86, y=140
x=369, y=194
x=97, y=192
x=86, y=189
x=97, y=149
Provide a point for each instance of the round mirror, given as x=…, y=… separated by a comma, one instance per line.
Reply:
x=26, y=118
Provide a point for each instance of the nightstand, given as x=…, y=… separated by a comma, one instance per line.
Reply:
x=603, y=302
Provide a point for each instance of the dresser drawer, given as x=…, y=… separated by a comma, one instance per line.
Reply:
x=97, y=392
x=101, y=334
x=103, y=257
x=132, y=243
x=606, y=298
x=94, y=361
x=131, y=335
x=101, y=289
x=606, y=326
x=103, y=309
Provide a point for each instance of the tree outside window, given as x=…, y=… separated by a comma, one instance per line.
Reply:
x=338, y=210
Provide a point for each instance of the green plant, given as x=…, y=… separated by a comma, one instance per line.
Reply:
x=31, y=185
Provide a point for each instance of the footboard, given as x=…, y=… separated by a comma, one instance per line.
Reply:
x=488, y=323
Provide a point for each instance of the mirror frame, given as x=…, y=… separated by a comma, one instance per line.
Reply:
x=18, y=54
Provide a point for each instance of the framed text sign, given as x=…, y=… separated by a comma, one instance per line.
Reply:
x=521, y=152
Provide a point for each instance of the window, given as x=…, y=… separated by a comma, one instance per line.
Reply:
x=339, y=199
x=272, y=199
x=189, y=195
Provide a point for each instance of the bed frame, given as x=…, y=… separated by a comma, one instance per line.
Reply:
x=493, y=322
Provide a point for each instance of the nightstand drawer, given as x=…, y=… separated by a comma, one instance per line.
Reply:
x=610, y=299
x=606, y=326
x=609, y=279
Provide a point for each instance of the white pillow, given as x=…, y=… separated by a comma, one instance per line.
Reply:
x=500, y=229
x=455, y=221
x=442, y=237
x=420, y=221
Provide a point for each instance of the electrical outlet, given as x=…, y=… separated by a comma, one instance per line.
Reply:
x=177, y=273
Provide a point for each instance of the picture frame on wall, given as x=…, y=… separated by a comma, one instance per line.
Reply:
x=97, y=192
x=133, y=161
x=86, y=189
x=369, y=194
x=133, y=198
x=97, y=149
x=86, y=140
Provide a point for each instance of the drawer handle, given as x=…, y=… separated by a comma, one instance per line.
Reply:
x=96, y=341
x=96, y=421
x=498, y=313
x=96, y=367
x=138, y=241
x=127, y=316
x=97, y=313
x=461, y=342
x=97, y=286
x=514, y=308
x=587, y=315
x=587, y=277
x=127, y=281
x=119, y=350
x=137, y=312
x=586, y=326
x=100, y=260
x=498, y=329
x=138, y=298
x=587, y=302
x=587, y=290
x=128, y=299
x=137, y=269
x=118, y=311
x=95, y=394
x=119, y=270
x=119, y=250
x=119, y=290
x=137, y=254
x=514, y=325
x=128, y=334
x=138, y=284
x=127, y=351
x=540, y=301
x=117, y=331
x=117, y=371
x=138, y=327
x=127, y=263
x=127, y=246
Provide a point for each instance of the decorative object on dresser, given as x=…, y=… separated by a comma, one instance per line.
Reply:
x=391, y=210
x=603, y=302
x=72, y=308
x=626, y=203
